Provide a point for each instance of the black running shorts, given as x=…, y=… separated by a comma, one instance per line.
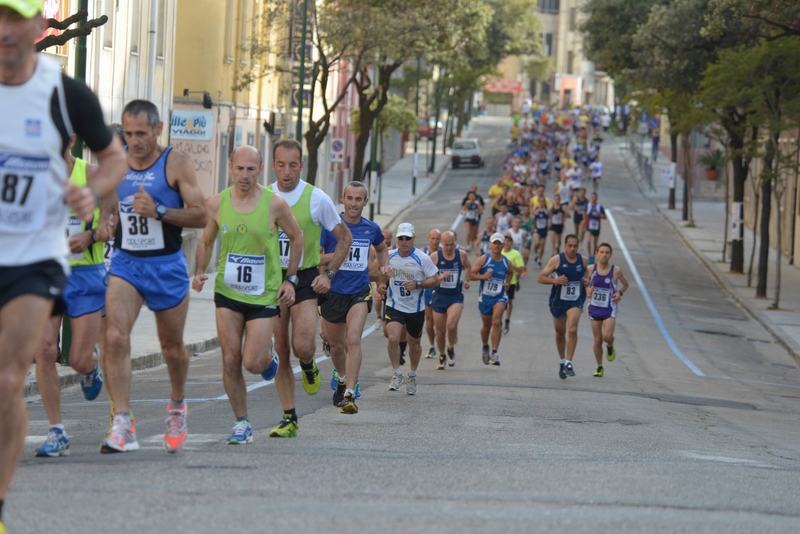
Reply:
x=336, y=306
x=44, y=279
x=412, y=321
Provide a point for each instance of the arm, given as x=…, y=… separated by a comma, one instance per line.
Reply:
x=589, y=288
x=322, y=283
x=374, y=265
x=618, y=295
x=205, y=246
x=475, y=272
x=550, y=268
x=283, y=218
x=382, y=253
x=467, y=268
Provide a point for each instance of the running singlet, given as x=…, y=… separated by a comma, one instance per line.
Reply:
x=518, y=238
x=492, y=288
x=563, y=192
x=573, y=291
x=580, y=209
x=593, y=214
x=353, y=275
x=503, y=222
x=526, y=225
x=249, y=264
x=601, y=304
x=558, y=217
x=146, y=236
x=416, y=266
x=540, y=216
x=93, y=255
x=485, y=246
x=452, y=285
x=471, y=212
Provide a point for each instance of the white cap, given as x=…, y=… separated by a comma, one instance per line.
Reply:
x=405, y=229
x=497, y=236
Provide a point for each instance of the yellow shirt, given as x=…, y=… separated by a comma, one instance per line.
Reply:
x=495, y=190
x=515, y=259
x=535, y=202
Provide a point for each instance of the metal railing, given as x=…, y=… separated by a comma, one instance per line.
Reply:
x=643, y=163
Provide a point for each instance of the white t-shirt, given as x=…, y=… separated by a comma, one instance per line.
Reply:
x=416, y=266
x=597, y=169
x=563, y=192
x=323, y=212
x=605, y=120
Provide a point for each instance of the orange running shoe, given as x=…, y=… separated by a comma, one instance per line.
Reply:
x=122, y=437
x=176, y=433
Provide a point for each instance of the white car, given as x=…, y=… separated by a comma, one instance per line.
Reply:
x=466, y=151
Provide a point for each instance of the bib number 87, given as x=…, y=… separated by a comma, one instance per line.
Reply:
x=9, y=188
x=137, y=225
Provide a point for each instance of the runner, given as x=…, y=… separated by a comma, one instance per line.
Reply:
x=597, y=173
x=434, y=244
x=158, y=197
x=448, y=298
x=84, y=302
x=502, y=221
x=578, y=209
x=412, y=271
x=517, y=267
x=526, y=222
x=313, y=210
x=594, y=213
x=557, y=216
x=482, y=246
x=247, y=289
x=567, y=297
x=604, y=293
x=349, y=301
x=494, y=272
x=541, y=217
x=472, y=217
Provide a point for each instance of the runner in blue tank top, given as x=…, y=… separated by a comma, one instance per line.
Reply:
x=482, y=245
x=607, y=284
x=434, y=244
x=448, y=299
x=494, y=272
x=158, y=196
x=566, y=272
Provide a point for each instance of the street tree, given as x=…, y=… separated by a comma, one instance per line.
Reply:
x=68, y=34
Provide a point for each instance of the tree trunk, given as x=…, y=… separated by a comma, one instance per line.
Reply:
x=766, y=208
x=358, y=158
x=739, y=178
x=778, y=199
x=727, y=213
x=756, y=197
x=460, y=116
x=685, y=214
x=313, y=163
x=673, y=145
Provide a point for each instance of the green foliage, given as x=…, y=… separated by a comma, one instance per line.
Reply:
x=498, y=98
x=395, y=114
x=540, y=68
x=712, y=160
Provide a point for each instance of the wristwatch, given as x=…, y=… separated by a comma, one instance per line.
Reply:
x=330, y=274
x=621, y=293
x=292, y=279
x=94, y=235
x=419, y=285
x=161, y=210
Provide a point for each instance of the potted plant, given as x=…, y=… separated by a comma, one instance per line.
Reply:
x=712, y=161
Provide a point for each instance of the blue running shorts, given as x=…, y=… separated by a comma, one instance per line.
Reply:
x=86, y=290
x=486, y=306
x=163, y=281
x=428, y=293
x=440, y=302
x=559, y=310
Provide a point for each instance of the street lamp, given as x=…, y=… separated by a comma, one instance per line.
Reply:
x=207, y=102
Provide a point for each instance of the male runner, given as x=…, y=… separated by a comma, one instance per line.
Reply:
x=567, y=297
x=349, y=301
x=517, y=264
x=541, y=218
x=158, y=197
x=448, y=298
x=494, y=272
x=412, y=272
x=482, y=242
x=247, y=289
x=39, y=107
x=472, y=217
x=312, y=209
x=557, y=216
x=83, y=301
x=597, y=173
x=434, y=245
x=594, y=213
x=607, y=284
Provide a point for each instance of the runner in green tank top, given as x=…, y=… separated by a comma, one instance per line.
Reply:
x=248, y=289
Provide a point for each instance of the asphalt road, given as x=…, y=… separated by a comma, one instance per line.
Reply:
x=654, y=446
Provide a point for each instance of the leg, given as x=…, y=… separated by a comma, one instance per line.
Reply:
x=414, y=352
x=597, y=331
x=256, y=356
x=304, y=324
x=356, y=318
x=337, y=339
x=23, y=322
x=429, y=326
x=303, y=317
x=608, y=330
x=573, y=316
x=485, y=329
x=123, y=303
x=561, y=335
x=453, y=317
x=230, y=327
x=497, y=324
x=509, y=309
x=284, y=378
x=46, y=374
x=84, y=337
x=170, y=325
x=394, y=331
x=441, y=329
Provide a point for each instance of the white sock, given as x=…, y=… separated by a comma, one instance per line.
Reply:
x=398, y=371
x=412, y=374
x=564, y=361
x=351, y=392
x=342, y=379
x=59, y=426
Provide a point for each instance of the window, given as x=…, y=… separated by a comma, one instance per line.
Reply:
x=548, y=44
x=549, y=7
x=136, y=30
x=545, y=89
x=161, y=28
x=109, y=10
x=570, y=61
x=573, y=18
x=230, y=17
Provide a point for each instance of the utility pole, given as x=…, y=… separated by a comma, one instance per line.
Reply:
x=436, y=123
x=301, y=93
x=416, y=134
x=373, y=175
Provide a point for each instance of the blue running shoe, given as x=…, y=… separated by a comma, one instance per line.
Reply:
x=357, y=392
x=56, y=444
x=272, y=370
x=568, y=370
x=334, y=379
x=242, y=433
x=92, y=383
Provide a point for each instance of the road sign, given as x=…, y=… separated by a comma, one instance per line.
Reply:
x=654, y=123
x=337, y=150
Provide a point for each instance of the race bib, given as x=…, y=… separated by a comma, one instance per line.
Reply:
x=283, y=243
x=245, y=274
x=74, y=227
x=402, y=294
x=108, y=252
x=601, y=297
x=451, y=281
x=485, y=248
x=23, y=192
x=557, y=218
x=492, y=287
x=139, y=233
x=594, y=224
x=571, y=291
x=357, y=260
x=541, y=224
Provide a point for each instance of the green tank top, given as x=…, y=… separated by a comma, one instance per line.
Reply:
x=249, y=268
x=312, y=232
x=93, y=255
x=526, y=225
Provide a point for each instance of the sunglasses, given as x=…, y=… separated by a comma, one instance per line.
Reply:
x=404, y=238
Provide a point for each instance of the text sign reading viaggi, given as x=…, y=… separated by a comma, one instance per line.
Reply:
x=196, y=125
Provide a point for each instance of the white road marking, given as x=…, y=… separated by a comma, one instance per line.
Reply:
x=656, y=316
x=723, y=459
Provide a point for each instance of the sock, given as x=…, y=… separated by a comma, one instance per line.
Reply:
x=290, y=414
x=126, y=416
x=564, y=361
x=172, y=405
x=403, y=345
x=486, y=348
x=240, y=419
x=342, y=379
x=412, y=374
x=306, y=366
x=58, y=426
x=506, y=321
x=398, y=371
x=350, y=392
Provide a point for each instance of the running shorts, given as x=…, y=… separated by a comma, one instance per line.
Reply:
x=412, y=321
x=162, y=280
x=512, y=289
x=304, y=291
x=43, y=279
x=559, y=308
x=557, y=228
x=428, y=296
x=250, y=311
x=440, y=303
x=85, y=291
x=486, y=306
x=337, y=305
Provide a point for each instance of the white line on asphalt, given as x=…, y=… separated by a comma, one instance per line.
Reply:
x=649, y=301
x=457, y=221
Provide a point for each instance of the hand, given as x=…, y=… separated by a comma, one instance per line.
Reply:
x=286, y=293
x=387, y=271
x=506, y=285
x=466, y=284
x=143, y=204
x=589, y=291
x=443, y=276
x=80, y=241
x=198, y=281
x=561, y=280
x=488, y=274
x=321, y=284
x=410, y=284
x=80, y=200
x=381, y=289
x=617, y=296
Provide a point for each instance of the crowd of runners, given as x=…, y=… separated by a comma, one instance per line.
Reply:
x=286, y=257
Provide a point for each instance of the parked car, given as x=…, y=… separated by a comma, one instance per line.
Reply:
x=466, y=151
x=425, y=128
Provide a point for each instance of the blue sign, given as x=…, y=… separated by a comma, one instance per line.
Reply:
x=195, y=125
x=653, y=123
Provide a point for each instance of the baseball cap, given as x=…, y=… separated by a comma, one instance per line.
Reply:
x=26, y=8
x=405, y=229
x=497, y=236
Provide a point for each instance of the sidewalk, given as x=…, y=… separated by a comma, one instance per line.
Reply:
x=200, y=333
x=706, y=240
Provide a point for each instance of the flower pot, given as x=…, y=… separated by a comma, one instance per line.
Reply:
x=711, y=174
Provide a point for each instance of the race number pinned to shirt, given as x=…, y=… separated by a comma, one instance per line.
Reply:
x=571, y=291
x=557, y=218
x=283, y=243
x=108, y=252
x=541, y=223
x=451, y=281
x=601, y=297
x=139, y=233
x=245, y=274
x=74, y=227
x=402, y=294
x=594, y=224
x=492, y=287
x=357, y=259
x=23, y=192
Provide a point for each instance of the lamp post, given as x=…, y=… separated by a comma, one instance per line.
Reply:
x=301, y=92
x=416, y=134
